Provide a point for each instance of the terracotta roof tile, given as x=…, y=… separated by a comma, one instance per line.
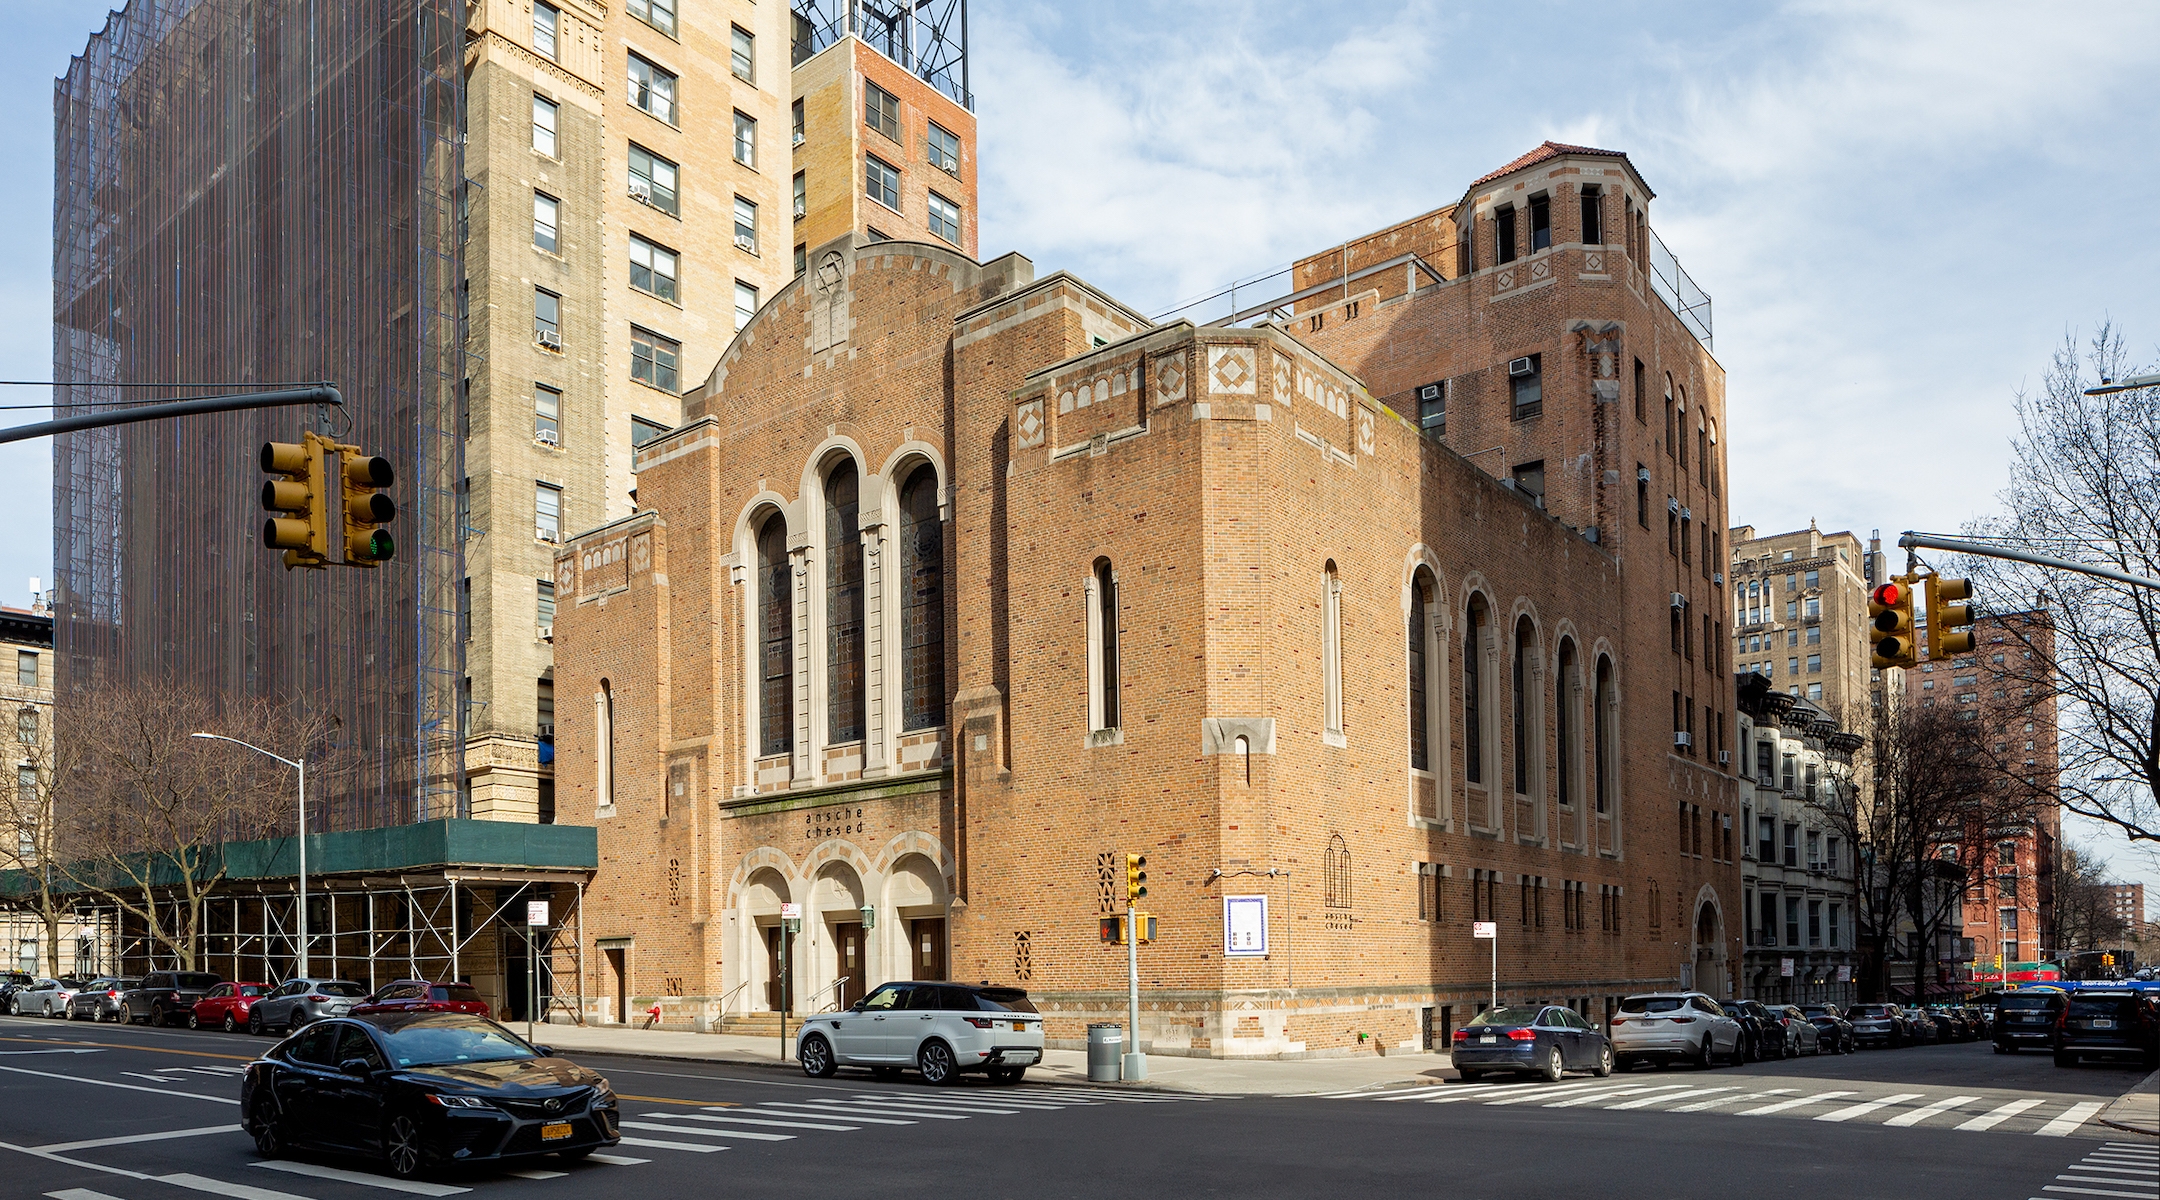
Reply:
x=1548, y=150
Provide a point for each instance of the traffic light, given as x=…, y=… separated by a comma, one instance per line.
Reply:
x=365, y=508
x=1890, y=621
x=1947, y=635
x=303, y=491
x=1135, y=878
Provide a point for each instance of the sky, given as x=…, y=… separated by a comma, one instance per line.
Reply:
x=1898, y=209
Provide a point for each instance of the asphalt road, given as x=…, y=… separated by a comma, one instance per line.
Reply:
x=125, y=1113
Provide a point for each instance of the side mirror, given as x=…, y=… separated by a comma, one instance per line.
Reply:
x=358, y=1068
x=857, y=1006
x=544, y=1051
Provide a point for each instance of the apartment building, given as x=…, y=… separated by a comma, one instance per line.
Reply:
x=1797, y=869
x=1800, y=613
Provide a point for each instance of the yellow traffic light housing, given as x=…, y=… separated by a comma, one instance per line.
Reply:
x=1135, y=878
x=303, y=492
x=1947, y=621
x=365, y=508
x=1890, y=624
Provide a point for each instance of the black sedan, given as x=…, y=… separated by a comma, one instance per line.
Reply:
x=1549, y=1041
x=423, y=1091
x=1834, y=1034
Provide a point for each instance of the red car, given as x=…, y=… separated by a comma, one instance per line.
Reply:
x=418, y=995
x=225, y=1006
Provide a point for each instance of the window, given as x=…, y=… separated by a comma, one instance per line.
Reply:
x=846, y=717
x=652, y=89
x=881, y=110
x=1668, y=417
x=1331, y=651
x=653, y=359
x=547, y=318
x=1830, y=854
x=1814, y=664
x=604, y=746
x=1814, y=922
x=1792, y=920
x=1814, y=635
x=746, y=225
x=1814, y=840
x=1540, y=223
x=742, y=54
x=1769, y=919
x=944, y=149
x=1528, y=388
x=881, y=183
x=802, y=257
x=1529, y=479
x=1687, y=552
x=1420, y=707
x=746, y=140
x=1525, y=715
x=776, y=639
x=922, y=603
x=545, y=23
x=660, y=14
x=1102, y=647
x=1814, y=608
x=547, y=414
x=1565, y=691
x=2006, y=919
x=1814, y=693
x=746, y=303
x=652, y=268
x=1432, y=408
x=1601, y=719
x=544, y=604
x=26, y=668
x=653, y=180
x=544, y=222
x=945, y=218
x=802, y=198
x=1504, y=234
x=547, y=512
x=1642, y=495
x=1639, y=418
x=795, y=122
x=1474, y=698
x=643, y=431
x=544, y=115
x=1792, y=844
x=1593, y=215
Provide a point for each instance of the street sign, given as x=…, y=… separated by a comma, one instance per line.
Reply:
x=791, y=910
x=1844, y=974
x=1784, y=967
x=536, y=912
x=1485, y=929
x=1244, y=920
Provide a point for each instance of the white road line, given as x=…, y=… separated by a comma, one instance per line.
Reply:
x=2074, y=1116
x=649, y=1143
x=215, y=1072
x=1544, y=1092
x=1397, y=1094
x=857, y=1118
x=1647, y=1101
x=1799, y=1102
x=2133, y=1147
x=1701, y=1105
x=411, y=1187
x=2090, y=1165
x=2086, y=1191
x=1456, y=1093
x=840, y=1106
x=218, y=1187
x=1998, y=1116
x=133, y=1087
x=56, y=1050
x=544, y=1174
x=750, y=1135
x=1865, y=1107
x=150, y=1077
x=729, y=1117
x=167, y=1135
x=613, y=1160
x=1902, y=1120
x=80, y=1194
x=1610, y=1093
x=964, y=1102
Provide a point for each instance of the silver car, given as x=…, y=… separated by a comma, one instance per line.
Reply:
x=1669, y=1027
x=48, y=997
x=940, y=1029
x=100, y=999
x=298, y=1002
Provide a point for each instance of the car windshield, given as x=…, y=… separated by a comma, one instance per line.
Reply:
x=1656, y=1004
x=1511, y=1015
x=2026, y=1002
x=464, y=992
x=2099, y=1006
x=250, y=989
x=446, y=1045
x=338, y=987
x=1003, y=1000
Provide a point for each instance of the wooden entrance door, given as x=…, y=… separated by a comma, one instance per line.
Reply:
x=775, y=970
x=619, y=971
x=850, y=960
x=926, y=946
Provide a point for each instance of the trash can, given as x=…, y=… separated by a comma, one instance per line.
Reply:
x=1106, y=1045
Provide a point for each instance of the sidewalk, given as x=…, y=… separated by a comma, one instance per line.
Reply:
x=2138, y=1110
x=1245, y=1077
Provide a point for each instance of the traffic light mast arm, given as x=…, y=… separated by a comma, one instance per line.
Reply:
x=321, y=393
x=1929, y=541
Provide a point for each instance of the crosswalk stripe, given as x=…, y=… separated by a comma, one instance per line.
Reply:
x=732, y=1119
x=1938, y=1108
x=537, y=1174
x=1610, y=1093
x=652, y=1144
x=1647, y=1101
x=616, y=1160
x=2090, y=1165
x=1867, y=1106
x=890, y=1109
x=1715, y=1101
x=80, y=1194
x=1996, y=1117
x=2133, y=1146
x=1401, y=1093
x=1542, y=1092
x=1460, y=1092
x=2086, y=1191
x=1112, y=1094
x=1798, y=1102
x=858, y=1118
x=218, y=1187
x=959, y=1103
x=408, y=1186
x=164, y=1136
x=748, y=1135
x=2074, y=1116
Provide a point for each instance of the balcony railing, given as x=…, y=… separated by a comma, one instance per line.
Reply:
x=1672, y=284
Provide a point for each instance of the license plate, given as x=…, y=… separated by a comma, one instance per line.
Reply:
x=1017, y=1026
x=555, y=1132
x=2103, y=1024
x=1487, y=1041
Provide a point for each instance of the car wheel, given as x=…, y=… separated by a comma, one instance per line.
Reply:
x=267, y=1142
x=1604, y=1062
x=255, y=1025
x=1471, y=1076
x=227, y=1024
x=14, y=1007
x=1554, y=1067
x=817, y=1057
x=1703, y=1057
x=1007, y=1075
x=193, y=1021
x=935, y=1061
x=402, y=1151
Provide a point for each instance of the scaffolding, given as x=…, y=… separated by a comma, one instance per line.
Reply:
x=256, y=192
x=928, y=37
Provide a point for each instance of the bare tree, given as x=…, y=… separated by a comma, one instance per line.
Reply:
x=2086, y=920
x=2085, y=486
x=148, y=812
x=32, y=836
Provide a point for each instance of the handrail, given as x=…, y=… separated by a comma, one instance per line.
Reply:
x=837, y=984
x=730, y=996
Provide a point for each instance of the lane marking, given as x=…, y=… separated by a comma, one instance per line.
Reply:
x=2074, y=1116
x=732, y=1119
x=167, y=1135
x=958, y=1104
x=1866, y=1107
x=2081, y=1191
x=1610, y=1093
x=538, y=1174
x=1902, y=1120
x=152, y=1078
x=2089, y=1165
x=95, y=1047
x=1541, y=1093
x=1802, y=1101
x=1706, y=1104
x=692, y=1147
x=1460, y=1092
x=1998, y=1116
x=363, y=1178
x=611, y=1160
x=857, y=1118
x=829, y=1107
x=13, y=1053
x=670, y=1100
x=80, y=1194
x=750, y=1135
x=1647, y=1101
x=218, y=1187
x=133, y=1087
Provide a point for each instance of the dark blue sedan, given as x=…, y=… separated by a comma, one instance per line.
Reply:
x=1548, y=1041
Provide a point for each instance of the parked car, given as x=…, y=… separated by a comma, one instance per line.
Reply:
x=419, y=1090
x=46, y=997
x=1949, y=1025
x=1833, y=1033
x=168, y=996
x=12, y=982
x=100, y=999
x=1919, y=1028
x=1667, y=1027
x=225, y=1006
x=2027, y=1019
x=940, y=1029
x=1806, y=1039
x=1548, y=1041
x=296, y=1002
x=2108, y=1023
x=1764, y=1036
x=1876, y=1025
x=418, y=995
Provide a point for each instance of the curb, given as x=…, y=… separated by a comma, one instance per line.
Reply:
x=2146, y=1087
x=796, y=1069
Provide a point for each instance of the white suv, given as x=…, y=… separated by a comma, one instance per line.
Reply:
x=1672, y=1027
x=940, y=1029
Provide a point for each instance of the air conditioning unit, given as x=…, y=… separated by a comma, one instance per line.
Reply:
x=1642, y=474
x=1519, y=366
x=545, y=534
x=1672, y=504
x=1682, y=737
x=547, y=634
x=1679, y=599
x=550, y=338
x=1687, y=514
x=1724, y=757
x=641, y=190
x=1717, y=579
x=746, y=243
x=801, y=210
x=548, y=437
x=798, y=138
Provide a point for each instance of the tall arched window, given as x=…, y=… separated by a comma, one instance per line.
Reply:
x=1564, y=725
x=1473, y=686
x=1601, y=718
x=1102, y=647
x=776, y=639
x=1331, y=650
x=1670, y=425
x=1524, y=649
x=922, y=603
x=1420, y=704
x=845, y=711
x=604, y=746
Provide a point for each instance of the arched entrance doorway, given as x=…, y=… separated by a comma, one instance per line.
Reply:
x=1709, y=973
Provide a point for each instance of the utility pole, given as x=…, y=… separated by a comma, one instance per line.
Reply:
x=1135, y=1065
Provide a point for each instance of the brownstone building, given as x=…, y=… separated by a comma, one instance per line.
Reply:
x=956, y=585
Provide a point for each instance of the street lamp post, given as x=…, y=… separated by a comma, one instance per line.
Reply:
x=301, y=767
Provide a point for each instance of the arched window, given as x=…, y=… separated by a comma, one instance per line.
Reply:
x=845, y=709
x=1336, y=874
x=922, y=603
x=1601, y=717
x=1420, y=703
x=1473, y=686
x=1524, y=730
x=776, y=640
x=1102, y=647
x=604, y=746
x=1331, y=649
x=1564, y=726
x=1670, y=426
x=1682, y=437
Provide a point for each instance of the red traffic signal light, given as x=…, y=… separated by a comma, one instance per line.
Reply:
x=1890, y=625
